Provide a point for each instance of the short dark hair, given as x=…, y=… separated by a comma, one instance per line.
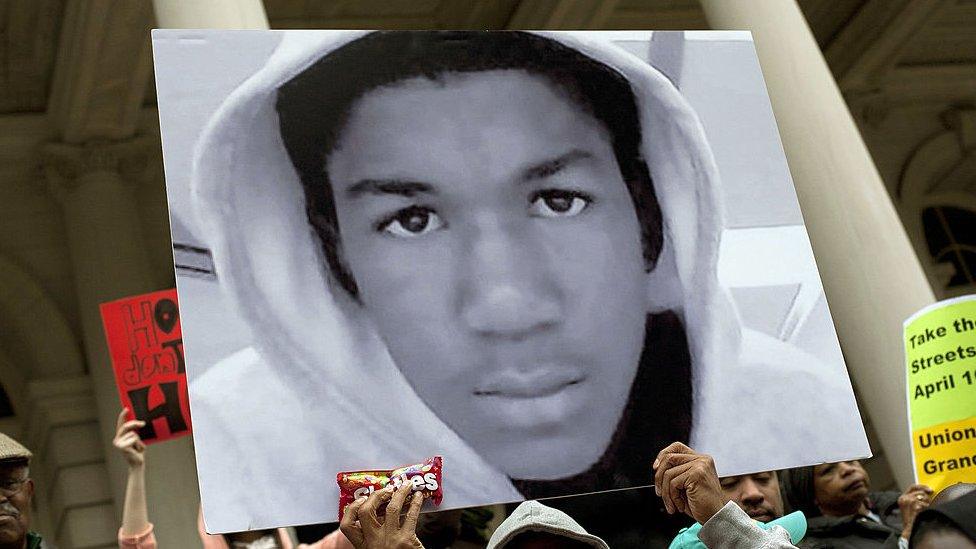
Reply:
x=932, y=524
x=314, y=106
x=14, y=463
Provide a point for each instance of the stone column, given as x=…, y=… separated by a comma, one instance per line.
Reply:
x=212, y=14
x=870, y=272
x=69, y=466
x=94, y=184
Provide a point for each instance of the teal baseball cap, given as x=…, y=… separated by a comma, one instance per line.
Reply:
x=795, y=523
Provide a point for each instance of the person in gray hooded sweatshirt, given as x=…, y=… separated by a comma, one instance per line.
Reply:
x=534, y=525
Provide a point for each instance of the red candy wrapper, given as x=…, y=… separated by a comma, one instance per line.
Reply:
x=425, y=476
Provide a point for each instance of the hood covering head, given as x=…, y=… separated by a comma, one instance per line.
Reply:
x=533, y=516
x=251, y=206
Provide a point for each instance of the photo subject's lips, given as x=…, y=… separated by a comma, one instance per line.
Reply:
x=542, y=402
x=540, y=382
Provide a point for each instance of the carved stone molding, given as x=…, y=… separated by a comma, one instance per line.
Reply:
x=65, y=165
x=962, y=121
x=73, y=488
x=940, y=172
x=869, y=46
x=932, y=84
x=933, y=165
x=868, y=107
x=562, y=14
x=28, y=39
x=103, y=67
x=41, y=343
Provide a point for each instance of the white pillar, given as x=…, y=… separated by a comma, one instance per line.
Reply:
x=94, y=184
x=870, y=272
x=210, y=14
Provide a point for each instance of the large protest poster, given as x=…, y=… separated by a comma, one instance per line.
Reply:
x=146, y=345
x=543, y=256
x=940, y=355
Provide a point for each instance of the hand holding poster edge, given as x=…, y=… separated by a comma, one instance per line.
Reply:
x=145, y=344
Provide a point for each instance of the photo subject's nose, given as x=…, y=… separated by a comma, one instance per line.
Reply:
x=508, y=311
x=508, y=290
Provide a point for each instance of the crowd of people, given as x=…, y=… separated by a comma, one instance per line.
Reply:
x=830, y=505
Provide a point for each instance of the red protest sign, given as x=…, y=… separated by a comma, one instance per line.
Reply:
x=146, y=345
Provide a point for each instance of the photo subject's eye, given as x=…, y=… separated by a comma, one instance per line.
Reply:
x=411, y=222
x=558, y=203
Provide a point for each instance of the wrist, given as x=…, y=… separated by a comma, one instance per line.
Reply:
x=721, y=505
x=712, y=510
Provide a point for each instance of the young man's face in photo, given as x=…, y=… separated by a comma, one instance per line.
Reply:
x=497, y=251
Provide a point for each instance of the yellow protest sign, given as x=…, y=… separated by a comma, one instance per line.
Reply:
x=940, y=354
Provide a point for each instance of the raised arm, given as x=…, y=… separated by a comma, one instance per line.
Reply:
x=688, y=483
x=136, y=531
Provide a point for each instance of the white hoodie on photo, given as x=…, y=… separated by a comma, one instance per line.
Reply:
x=317, y=393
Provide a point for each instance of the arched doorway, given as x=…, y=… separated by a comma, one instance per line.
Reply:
x=937, y=202
x=950, y=234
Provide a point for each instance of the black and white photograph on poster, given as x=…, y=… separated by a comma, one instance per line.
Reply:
x=543, y=256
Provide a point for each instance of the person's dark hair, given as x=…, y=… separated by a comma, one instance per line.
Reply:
x=439, y=530
x=799, y=491
x=314, y=106
x=932, y=524
x=15, y=463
